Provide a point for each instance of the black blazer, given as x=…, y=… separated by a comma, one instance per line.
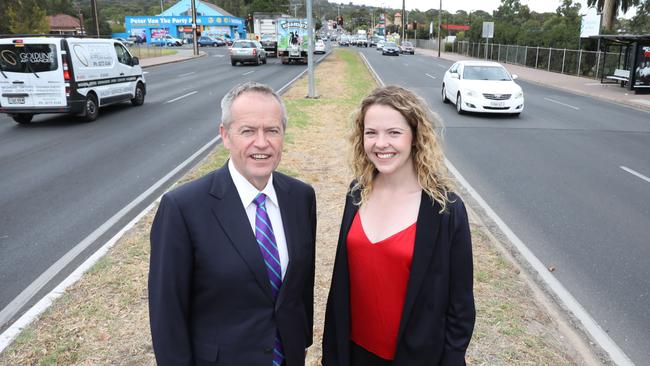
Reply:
x=438, y=317
x=210, y=300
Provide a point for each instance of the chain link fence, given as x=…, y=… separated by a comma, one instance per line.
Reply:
x=589, y=64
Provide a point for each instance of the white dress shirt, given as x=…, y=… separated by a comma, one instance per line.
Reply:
x=247, y=193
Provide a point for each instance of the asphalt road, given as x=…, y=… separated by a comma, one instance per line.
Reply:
x=62, y=178
x=554, y=176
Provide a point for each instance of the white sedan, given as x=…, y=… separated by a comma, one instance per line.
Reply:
x=482, y=86
x=319, y=47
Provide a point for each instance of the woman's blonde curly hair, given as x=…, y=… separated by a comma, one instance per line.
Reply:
x=428, y=158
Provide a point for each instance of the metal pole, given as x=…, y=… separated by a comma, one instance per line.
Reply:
x=549, y=58
x=579, y=61
x=597, y=62
x=195, y=45
x=516, y=55
x=310, y=54
x=563, y=59
x=439, y=26
x=403, y=18
x=537, y=57
x=161, y=6
x=499, y=53
x=526, y=56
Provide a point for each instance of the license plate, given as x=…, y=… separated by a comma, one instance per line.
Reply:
x=497, y=104
x=16, y=100
x=294, y=54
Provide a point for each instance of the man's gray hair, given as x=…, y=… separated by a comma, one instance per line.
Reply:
x=249, y=86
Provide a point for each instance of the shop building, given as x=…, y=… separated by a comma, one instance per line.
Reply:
x=211, y=20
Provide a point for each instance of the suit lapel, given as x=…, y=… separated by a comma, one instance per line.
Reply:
x=230, y=213
x=426, y=233
x=289, y=213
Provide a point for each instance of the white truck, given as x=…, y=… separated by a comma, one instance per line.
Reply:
x=293, y=40
x=265, y=29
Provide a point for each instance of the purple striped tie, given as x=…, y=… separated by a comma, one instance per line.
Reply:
x=268, y=247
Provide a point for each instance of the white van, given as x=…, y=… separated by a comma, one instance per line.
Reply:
x=66, y=75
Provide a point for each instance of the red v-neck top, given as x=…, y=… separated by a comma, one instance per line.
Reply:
x=379, y=274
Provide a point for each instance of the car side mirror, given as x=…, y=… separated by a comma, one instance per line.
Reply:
x=135, y=61
x=515, y=77
x=453, y=75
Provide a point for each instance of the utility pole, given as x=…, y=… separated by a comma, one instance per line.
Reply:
x=310, y=52
x=439, y=26
x=195, y=45
x=93, y=5
x=161, y=7
x=403, y=16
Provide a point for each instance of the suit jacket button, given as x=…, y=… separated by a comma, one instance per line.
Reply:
x=268, y=350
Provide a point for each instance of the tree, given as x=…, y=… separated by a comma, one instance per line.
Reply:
x=640, y=23
x=27, y=17
x=610, y=8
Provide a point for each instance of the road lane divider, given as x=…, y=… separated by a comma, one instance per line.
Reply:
x=560, y=103
x=187, y=74
x=431, y=76
x=181, y=97
x=635, y=173
x=248, y=73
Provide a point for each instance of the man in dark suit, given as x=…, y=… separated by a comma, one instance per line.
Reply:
x=232, y=253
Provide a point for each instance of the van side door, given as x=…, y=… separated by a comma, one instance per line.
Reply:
x=127, y=72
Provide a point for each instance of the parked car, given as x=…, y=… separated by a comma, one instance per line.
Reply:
x=482, y=86
x=227, y=41
x=407, y=47
x=247, y=51
x=207, y=41
x=166, y=40
x=125, y=41
x=136, y=39
x=319, y=47
x=380, y=45
x=390, y=48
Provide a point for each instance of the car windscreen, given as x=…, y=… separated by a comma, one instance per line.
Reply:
x=28, y=58
x=390, y=44
x=485, y=73
x=407, y=44
x=244, y=45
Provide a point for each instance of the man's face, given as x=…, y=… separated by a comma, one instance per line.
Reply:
x=255, y=136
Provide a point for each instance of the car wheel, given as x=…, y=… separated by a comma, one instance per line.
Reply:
x=91, y=110
x=444, y=95
x=459, y=104
x=138, y=99
x=23, y=118
x=264, y=61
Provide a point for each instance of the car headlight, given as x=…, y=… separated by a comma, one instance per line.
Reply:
x=471, y=93
x=519, y=94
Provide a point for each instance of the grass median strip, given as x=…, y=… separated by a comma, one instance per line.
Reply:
x=103, y=318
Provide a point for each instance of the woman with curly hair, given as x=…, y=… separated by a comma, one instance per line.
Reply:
x=401, y=291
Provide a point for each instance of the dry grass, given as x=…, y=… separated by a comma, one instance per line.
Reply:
x=103, y=318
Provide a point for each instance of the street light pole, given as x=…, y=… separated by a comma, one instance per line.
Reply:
x=195, y=45
x=403, y=16
x=310, y=52
x=439, y=26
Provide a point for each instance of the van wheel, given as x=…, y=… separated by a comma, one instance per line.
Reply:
x=138, y=99
x=91, y=110
x=23, y=118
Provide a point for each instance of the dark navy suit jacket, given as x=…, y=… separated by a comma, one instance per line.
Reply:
x=210, y=300
x=438, y=316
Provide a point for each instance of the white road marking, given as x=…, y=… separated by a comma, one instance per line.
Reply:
x=591, y=326
x=443, y=66
x=145, y=72
x=634, y=172
x=248, y=73
x=218, y=56
x=186, y=74
x=431, y=76
x=182, y=96
x=560, y=103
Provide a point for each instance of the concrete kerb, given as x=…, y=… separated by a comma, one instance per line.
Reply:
x=540, y=81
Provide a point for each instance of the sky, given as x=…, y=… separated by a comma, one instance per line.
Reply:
x=452, y=6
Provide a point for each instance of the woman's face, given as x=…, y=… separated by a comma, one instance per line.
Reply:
x=387, y=139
